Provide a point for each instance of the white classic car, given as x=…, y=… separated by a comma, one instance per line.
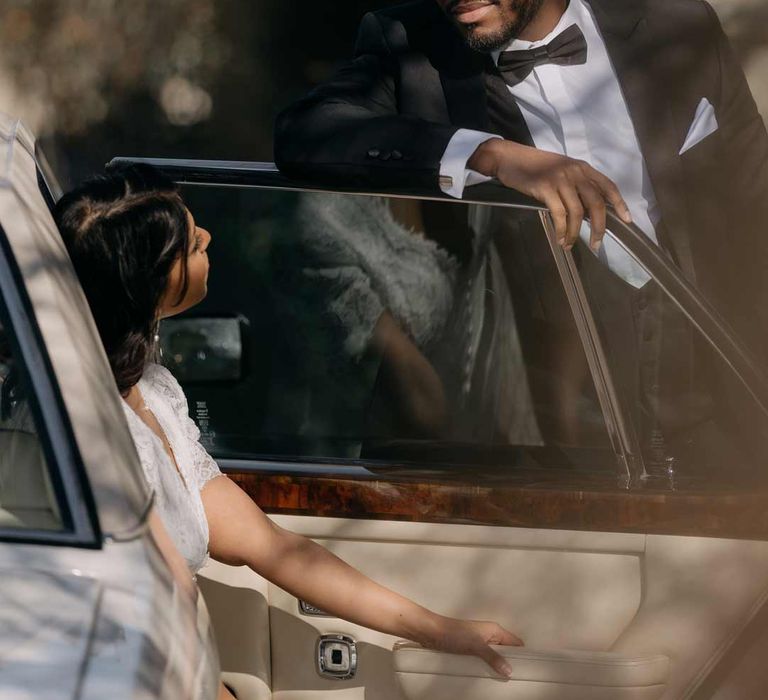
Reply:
x=630, y=554
x=88, y=606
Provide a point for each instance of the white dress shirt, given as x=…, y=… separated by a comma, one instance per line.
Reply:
x=578, y=111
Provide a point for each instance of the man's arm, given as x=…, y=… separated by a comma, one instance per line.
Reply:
x=744, y=133
x=745, y=193
x=349, y=130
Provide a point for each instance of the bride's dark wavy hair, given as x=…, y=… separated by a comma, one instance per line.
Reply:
x=124, y=231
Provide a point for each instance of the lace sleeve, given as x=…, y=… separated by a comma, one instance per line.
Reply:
x=204, y=466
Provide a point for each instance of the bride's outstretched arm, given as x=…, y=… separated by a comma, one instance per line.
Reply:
x=240, y=534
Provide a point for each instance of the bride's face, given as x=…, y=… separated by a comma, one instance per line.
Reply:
x=197, y=273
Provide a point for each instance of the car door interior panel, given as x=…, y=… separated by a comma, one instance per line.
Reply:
x=237, y=601
x=639, y=616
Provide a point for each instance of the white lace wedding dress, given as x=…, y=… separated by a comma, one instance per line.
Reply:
x=177, y=492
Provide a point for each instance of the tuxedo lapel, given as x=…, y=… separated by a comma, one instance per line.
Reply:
x=620, y=19
x=466, y=100
x=638, y=51
x=482, y=101
x=504, y=115
x=475, y=94
x=460, y=69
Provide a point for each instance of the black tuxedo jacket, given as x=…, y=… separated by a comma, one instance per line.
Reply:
x=387, y=117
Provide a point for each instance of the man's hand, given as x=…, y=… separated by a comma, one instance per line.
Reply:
x=570, y=189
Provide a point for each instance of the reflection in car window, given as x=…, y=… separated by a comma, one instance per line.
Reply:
x=27, y=498
x=692, y=415
x=359, y=327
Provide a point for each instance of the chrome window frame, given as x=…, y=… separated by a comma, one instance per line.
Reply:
x=630, y=467
x=80, y=523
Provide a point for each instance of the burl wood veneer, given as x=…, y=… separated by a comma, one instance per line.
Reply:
x=604, y=508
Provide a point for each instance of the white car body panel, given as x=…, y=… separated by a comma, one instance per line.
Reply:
x=104, y=619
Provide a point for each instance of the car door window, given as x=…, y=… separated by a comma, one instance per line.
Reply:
x=28, y=497
x=692, y=415
x=342, y=326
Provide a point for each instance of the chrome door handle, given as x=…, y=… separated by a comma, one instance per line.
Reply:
x=336, y=657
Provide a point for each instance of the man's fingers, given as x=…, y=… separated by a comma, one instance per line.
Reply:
x=557, y=209
x=611, y=193
x=569, y=188
x=575, y=209
x=595, y=206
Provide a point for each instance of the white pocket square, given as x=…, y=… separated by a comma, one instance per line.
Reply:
x=704, y=124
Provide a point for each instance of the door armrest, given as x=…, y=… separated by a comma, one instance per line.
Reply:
x=590, y=673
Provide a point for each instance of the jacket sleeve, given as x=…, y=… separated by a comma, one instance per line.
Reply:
x=743, y=129
x=350, y=130
x=745, y=185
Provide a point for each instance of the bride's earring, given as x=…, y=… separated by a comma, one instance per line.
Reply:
x=158, y=350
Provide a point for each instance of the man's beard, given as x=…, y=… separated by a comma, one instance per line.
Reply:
x=526, y=11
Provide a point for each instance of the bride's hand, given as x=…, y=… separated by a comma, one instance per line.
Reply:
x=474, y=638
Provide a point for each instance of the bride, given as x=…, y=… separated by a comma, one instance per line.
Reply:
x=141, y=257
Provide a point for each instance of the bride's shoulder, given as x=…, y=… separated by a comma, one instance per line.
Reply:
x=162, y=381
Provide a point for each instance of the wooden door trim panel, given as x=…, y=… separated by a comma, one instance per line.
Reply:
x=737, y=515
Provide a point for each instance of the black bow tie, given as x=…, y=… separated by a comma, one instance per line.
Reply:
x=568, y=48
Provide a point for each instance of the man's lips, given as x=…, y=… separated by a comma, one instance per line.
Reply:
x=471, y=11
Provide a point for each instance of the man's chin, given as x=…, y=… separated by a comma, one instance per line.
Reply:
x=484, y=39
x=488, y=33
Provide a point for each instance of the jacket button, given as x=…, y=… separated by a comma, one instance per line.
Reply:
x=374, y=153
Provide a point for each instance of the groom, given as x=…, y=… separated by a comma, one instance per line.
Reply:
x=637, y=104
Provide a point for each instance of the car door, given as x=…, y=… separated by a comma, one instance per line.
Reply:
x=606, y=507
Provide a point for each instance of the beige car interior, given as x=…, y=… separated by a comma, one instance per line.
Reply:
x=603, y=615
x=27, y=499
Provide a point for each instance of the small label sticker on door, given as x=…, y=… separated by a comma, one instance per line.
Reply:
x=202, y=418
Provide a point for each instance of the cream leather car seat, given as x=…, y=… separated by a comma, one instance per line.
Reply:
x=27, y=497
